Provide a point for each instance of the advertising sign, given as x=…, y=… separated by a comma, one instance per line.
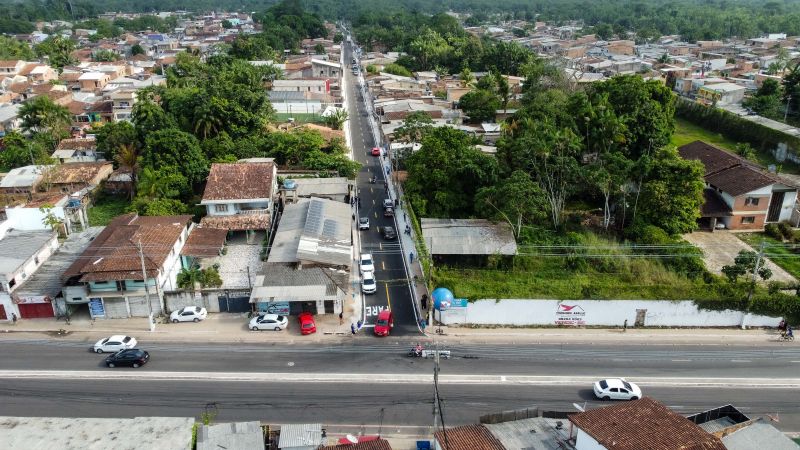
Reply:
x=96, y=307
x=281, y=308
x=459, y=303
x=570, y=315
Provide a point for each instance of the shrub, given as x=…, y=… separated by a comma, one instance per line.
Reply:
x=787, y=232
x=772, y=230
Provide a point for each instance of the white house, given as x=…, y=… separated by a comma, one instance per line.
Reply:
x=21, y=254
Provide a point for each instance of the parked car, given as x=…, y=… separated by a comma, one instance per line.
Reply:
x=363, y=223
x=388, y=203
x=365, y=263
x=388, y=233
x=132, y=357
x=268, y=322
x=376, y=151
x=616, y=389
x=188, y=314
x=388, y=211
x=307, y=324
x=114, y=344
x=368, y=284
x=385, y=323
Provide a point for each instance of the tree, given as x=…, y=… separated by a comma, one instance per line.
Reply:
x=114, y=135
x=58, y=50
x=11, y=48
x=50, y=219
x=672, y=193
x=227, y=24
x=137, y=49
x=603, y=31
x=338, y=38
x=178, y=149
x=791, y=87
x=517, y=199
x=414, y=127
x=745, y=263
x=397, y=69
x=336, y=119
x=503, y=90
x=104, y=55
x=429, y=49
x=189, y=278
x=160, y=207
x=467, y=78
x=164, y=182
x=319, y=49
x=18, y=151
x=480, y=105
x=148, y=117
x=41, y=115
x=127, y=158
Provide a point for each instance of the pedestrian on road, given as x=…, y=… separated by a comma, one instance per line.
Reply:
x=387, y=170
x=424, y=301
x=14, y=318
x=396, y=203
x=408, y=230
x=359, y=201
x=625, y=326
x=341, y=318
x=411, y=257
x=353, y=329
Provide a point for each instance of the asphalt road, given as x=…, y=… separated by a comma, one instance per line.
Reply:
x=356, y=384
x=393, y=288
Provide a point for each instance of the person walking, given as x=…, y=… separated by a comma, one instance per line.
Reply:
x=341, y=318
x=14, y=318
x=424, y=301
x=411, y=257
x=625, y=326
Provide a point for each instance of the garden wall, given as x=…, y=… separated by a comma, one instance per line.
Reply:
x=651, y=313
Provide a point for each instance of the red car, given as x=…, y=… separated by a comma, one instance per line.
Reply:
x=376, y=151
x=307, y=325
x=385, y=323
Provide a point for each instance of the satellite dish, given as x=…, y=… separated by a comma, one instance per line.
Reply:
x=579, y=407
x=352, y=439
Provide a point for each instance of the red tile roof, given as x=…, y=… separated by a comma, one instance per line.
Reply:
x=113, y=253
x=239, y=181
x=378, y=444
x=468, y=437
x=644, y=424
x=204, y=242
x=237, y=222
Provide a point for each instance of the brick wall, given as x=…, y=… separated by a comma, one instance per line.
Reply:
x=758, y=224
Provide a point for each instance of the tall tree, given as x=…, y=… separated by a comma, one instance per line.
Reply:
x=480, y=105
x=127, y=158
x=175, y=148
x=58, y=51
x=41, y=115
x=517, y=199
x=113, y=136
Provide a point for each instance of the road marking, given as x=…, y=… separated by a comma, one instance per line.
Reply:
x=741, y=360
x=681, y=360
x=383, y=265
x=795, y=361
x=388, y=299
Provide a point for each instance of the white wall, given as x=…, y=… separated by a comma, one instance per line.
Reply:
x=789, y=200
x=31, y=218
x=8, y=305
x=597, y=312
x=585, y=442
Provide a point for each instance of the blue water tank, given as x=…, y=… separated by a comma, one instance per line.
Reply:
x=289, y=184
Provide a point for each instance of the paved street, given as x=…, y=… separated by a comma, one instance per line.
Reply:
x=393, y=287
x=368, y=383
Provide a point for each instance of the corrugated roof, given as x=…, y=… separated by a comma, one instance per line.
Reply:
x=300, y=435
x=316, y=230
x=538, y=433
x=758, y=435
x=378, y=444
x=280, y=282
x=468, y=237
x=17, y=247
x=644, y=424
x=231, y=436
x=204, y=242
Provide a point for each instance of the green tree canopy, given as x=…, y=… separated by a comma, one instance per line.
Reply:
x=480, y=105
x=178, y=149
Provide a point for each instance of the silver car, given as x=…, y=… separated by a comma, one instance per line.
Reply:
x=114, y=344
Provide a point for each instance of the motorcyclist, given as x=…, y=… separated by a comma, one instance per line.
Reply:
x=418, y=350
x=789, y=333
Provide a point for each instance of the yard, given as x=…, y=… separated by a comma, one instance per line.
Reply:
x=106, y=207
x=779, y=253
x=686, y=132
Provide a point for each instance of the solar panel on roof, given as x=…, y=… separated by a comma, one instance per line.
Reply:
x=329, y=229
x=314, y=218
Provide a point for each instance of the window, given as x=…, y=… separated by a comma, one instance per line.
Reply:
x=751, y=201
x=221, y=208
x=749, y=219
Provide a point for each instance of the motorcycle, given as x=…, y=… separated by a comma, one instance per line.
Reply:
x=416, y=352
x=421, y=352
x=373, y=180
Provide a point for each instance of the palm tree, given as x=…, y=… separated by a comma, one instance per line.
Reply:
x=41, y=115
x=206, y=121
x=467, y=79
x=503, y=90
x=127, y=158
x=189, y=278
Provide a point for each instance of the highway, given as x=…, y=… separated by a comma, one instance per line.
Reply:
x=370, y=384
x=393, y=289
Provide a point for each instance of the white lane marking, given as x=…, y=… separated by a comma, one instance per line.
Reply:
x=681, y=360
x=741, y=360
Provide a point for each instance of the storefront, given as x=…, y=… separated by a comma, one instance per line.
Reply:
x=35, y=307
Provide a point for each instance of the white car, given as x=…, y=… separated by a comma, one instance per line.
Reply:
x=268, y=322
x=368, y=284
x=388, y=203
x=188, y=314
x=363, y=223
x=616, y=389
x=114, y=344
x=365, y=263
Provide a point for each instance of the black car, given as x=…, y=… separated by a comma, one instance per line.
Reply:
x=388, y=211
x=388, y=233
x=132, y=357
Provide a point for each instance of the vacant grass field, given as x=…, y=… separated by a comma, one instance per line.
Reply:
x=611, y=275
x=686, y=132
x=105, y=208
x=778, y=252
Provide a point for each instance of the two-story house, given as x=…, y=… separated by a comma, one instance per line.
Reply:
x=77, y=150
x=240, y=196
x=739, y=194
x=108, y=276
x=10, y=68
x=122, y=102
x=21, y=254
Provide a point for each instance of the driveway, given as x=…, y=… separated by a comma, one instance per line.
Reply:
x=233, y=266
x=721, y=247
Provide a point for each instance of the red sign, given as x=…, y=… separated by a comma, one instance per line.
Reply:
x=570, y=315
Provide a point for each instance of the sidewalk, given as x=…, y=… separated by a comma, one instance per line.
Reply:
x=232, y=328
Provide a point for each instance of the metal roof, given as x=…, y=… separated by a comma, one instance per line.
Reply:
x=280, y=282
x=17, y=247
x=758, y=434
x=300, y=435
x=231, y=436
x=315, y=230
x=468, y=237
x=538, y=433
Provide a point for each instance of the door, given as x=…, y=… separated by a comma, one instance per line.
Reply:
x=233, y=304
x=3, y=315
x=775, y=206
x=640, y=315
x=36, y=310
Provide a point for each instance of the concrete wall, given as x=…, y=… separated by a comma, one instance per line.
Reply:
x=597, y=312
x=174, y=301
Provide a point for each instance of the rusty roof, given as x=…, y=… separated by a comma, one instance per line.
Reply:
x=239, y=181
x=205, y=242
x=77, y=144
x=644, y=424
x=468, y=437
x=78, y=172
x=9, y=63
x=113, y=253
x=238, y=222
x=377, y=444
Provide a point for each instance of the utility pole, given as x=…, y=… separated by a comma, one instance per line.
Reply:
x=150, y=321
x=786, y=112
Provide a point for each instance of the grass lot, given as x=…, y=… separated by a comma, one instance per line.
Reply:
x=778, y=252
x=611, y=276
x=105, y=208
x=686, y=132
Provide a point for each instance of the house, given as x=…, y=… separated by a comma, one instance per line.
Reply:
x=240, y=196
x=10, y=68
x=93, y=81
x=282, y=289
x=120, y=181
x=331, y=188
x=720, y=94
x=122, y=102
x=203, y=248
x=316, y=86
x=467, y=240
x=73, y=177
x=21, y=180
x=325, y=69
x=372, y=444
x=314, y=232
x=236, y=435
x=42, y=73
x=68, y=209
x=467, y=437
x=739, y=194
x=79, y=150
x=108, y=277
x=9, y=118
x=21, y=254
x=639, y=424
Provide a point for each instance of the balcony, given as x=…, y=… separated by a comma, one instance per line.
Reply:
x=252, y=212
